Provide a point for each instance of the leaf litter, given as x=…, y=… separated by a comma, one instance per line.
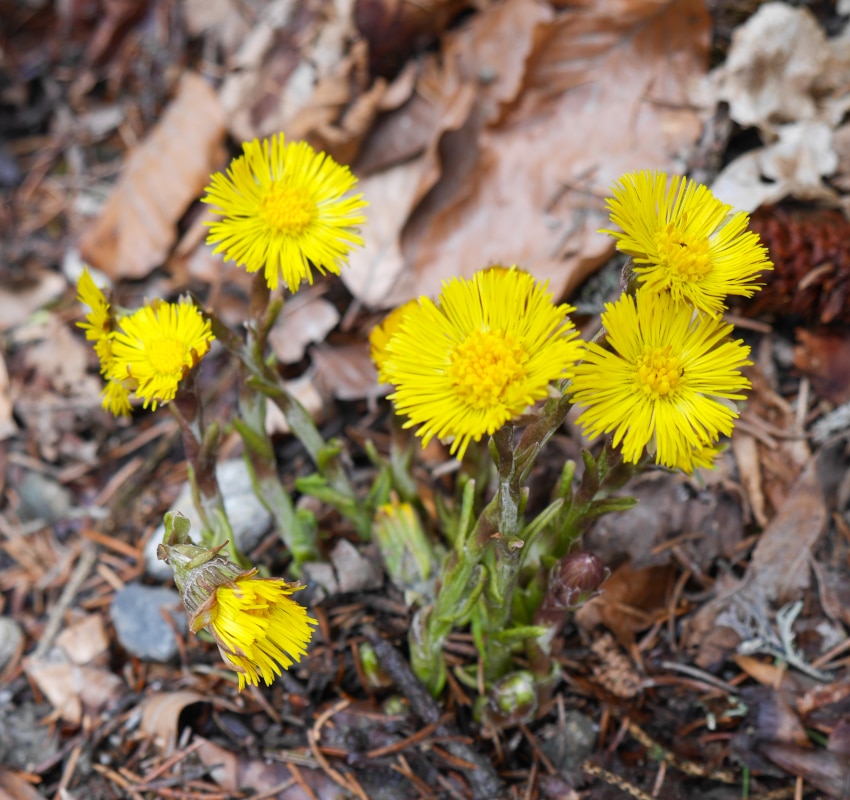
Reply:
x=482, y=133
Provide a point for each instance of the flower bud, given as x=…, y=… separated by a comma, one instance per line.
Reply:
x=512, y=700
x=572, y=582
x=405, y=549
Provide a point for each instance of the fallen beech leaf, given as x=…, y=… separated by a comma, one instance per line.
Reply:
x=14, y=787
x=604, y=90
x=631, y=601
x=71, y=688
x=304, y=320
x=345, y=372
x=826, y=771
x=233, y=772
x=19, y=302
x=161, y=712
x=161, y=178
x=84, y=640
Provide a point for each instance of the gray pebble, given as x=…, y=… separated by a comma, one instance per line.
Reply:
x=248, y=517
x=139, y=624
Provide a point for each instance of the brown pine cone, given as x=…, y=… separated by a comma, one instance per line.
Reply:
x=810, y=250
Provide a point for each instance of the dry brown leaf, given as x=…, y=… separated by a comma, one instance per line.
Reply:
x=306, y=319
x=631, y=601
x=233, y=772
x=563, y=102
x=393, y=28
x=137, y=227
x=84, y=640
x=304, y=71
x=826, y=771
x=161, y=712
x=779, y=569
x=604, y=91
x=345, y=372
x=71, y=689
x=14, y=787
x=18, y=303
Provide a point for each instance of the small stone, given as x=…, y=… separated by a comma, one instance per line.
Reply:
x=249, y=518
x=43, y=498
x=355, y=572
x=569, y=746
x=11, y=639
x=137, y=613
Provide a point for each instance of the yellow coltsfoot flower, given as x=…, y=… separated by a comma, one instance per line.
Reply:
x=664, y=380
x=285, y=211
x=99, y=325
x=684, y=241
x=98, y=322
x=156, y=346
x=381, y=334
x=479, y=357
x=259, y=629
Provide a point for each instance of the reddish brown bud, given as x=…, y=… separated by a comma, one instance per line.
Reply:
x=572, y=582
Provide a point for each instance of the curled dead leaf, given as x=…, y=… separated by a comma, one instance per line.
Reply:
x=137, y=226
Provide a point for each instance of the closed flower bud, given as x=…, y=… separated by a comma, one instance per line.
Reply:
x=572, y=582
x=512, y=700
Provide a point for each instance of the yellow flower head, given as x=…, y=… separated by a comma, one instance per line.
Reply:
x=382, y=333
x=284, y=210
x=684, y=241
x=98, y=322
x=486, y=350
x=665, y=381
x=115, y=397
x=259, y=629
x=98, y=325
x=156, y=346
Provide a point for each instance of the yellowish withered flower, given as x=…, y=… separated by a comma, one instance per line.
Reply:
x=380, y=335
x=259, y=629
x=156, y=346
x=684, y=241
x=284, y=210
x=664, y=380
x=98, y=325
x=480, y=356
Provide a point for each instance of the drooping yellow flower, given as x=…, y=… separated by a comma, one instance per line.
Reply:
x=259, y=629
x=486, y=350
x=155, y=348
x=684, y=241
x=380, y=335
x=664, y=380
x=285, y=211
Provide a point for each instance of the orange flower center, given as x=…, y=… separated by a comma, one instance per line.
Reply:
x=485, y=366
x=685, y=255
x=287, y=210
x=658, y=374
